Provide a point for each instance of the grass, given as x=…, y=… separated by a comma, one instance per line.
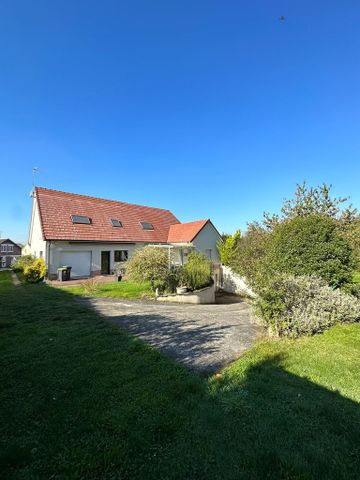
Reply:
x=115, y=290
x=82, y=399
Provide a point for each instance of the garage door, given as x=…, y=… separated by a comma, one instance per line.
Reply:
x=80, y=263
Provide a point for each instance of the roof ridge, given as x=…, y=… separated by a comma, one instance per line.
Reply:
x=194, y=221
x=103, y=199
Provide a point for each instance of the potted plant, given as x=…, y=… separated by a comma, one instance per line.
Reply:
x=119, y=271
x=181, y=288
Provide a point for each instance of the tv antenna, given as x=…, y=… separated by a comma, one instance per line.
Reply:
x=35, y=170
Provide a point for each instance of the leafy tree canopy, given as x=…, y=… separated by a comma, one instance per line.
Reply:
x=313, y=201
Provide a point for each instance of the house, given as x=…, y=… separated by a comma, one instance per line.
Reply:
x=26, y=250
x=9, y=251
x=93, y=234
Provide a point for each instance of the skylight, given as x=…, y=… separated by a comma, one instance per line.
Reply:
x=116, y=223
x=81, y=219
x=147, y=226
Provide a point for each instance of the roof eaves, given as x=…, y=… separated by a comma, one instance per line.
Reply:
x=197, y=233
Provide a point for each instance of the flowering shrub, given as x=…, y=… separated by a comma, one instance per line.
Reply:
x=36, y=271
x=304, y=305
x=22, y=262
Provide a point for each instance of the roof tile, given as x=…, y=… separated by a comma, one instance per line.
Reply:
x=185, y=232
x=56, y=207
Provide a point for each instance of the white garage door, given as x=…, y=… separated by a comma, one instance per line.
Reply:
x=80, y=263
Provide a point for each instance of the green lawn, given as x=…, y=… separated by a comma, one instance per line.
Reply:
x=82, y=399
x=115, y=289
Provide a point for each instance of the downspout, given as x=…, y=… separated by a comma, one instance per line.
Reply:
x=48, y=260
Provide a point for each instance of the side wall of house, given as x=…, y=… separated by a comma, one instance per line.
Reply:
x=37, y=245
x=206, y=242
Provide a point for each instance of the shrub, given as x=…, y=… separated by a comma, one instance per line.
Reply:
x=309, y=245
x=149, y=264
x=249, y=253
x=176, y=276
x=36, y=271
x=197, y=271
x=351, y=231
x=227, y=246
x=21, y=263
x=293, y=306
x=352, y=289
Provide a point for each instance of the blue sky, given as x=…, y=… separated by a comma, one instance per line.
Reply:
x=207, y=108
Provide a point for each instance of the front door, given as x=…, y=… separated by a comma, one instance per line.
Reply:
x=105, y=263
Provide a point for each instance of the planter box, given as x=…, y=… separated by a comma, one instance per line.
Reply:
x=203, y=296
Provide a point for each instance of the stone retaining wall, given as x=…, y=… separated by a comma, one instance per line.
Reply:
x=203, y=296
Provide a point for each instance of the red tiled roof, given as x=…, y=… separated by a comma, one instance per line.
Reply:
x=56, y=207
x=185, y=232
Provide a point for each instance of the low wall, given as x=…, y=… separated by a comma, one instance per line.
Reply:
x=203, y=296
x=232, y=282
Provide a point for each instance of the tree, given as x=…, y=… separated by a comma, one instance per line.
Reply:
x=227, y=246
x=312, y=201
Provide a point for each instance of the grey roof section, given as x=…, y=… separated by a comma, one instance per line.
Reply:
x=2, y=240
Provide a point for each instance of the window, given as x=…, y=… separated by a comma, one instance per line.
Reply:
x=147, y=226
x=208, y=253
x=10, y=248
x=41, y=254
x=116, y=223
x=121, y=255
x=3, y=248
x=81, y=219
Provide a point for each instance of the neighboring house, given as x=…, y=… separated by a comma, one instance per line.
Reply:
x=9, y=251
x=26, y=250
x=92, y=234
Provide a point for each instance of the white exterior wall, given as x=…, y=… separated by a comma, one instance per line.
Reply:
x=207, y=239
x=232, y=282
x=36, y=243
x=26, y=250
x=56, y=247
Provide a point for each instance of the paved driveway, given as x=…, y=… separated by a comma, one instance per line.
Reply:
x=205, y=338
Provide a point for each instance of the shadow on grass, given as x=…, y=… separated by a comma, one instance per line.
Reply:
x=83, y=399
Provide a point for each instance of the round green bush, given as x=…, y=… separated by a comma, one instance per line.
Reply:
x=150, y=264
x=309, y=245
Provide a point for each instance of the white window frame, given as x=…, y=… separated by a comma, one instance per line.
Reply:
x=10, y=248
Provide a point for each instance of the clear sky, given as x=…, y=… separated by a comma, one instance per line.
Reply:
x=207, y=108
